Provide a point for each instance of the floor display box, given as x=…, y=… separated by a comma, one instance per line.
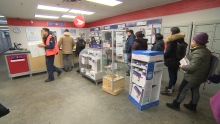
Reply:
x=145, y=80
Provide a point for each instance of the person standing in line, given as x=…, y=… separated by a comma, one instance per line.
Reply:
x=93, y=41
x=67, y=43
x=196, y=73
x=52, y=49
x=159, y=43
x=139, y=43
x=171, y=59
x=80, y=45
x=128, y=46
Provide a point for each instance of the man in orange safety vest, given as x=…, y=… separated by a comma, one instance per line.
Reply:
x=51, y=47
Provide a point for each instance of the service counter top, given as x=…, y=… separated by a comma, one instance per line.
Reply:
x=16, y=52
x=15, y=59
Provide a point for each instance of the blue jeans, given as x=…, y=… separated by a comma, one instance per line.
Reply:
x=50, y=67
x=173, y=76
x=127, y=56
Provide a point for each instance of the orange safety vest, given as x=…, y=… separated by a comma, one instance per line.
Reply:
x=53, y=51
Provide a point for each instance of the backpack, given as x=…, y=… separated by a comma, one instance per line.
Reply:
x=181, y=50
x=214, y=71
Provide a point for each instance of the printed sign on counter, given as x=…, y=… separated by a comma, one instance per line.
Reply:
x=35, y=50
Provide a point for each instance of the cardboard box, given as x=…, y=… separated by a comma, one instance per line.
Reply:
x=147, y=55
x=143, y=77
x=96, y=75
x=136, y=92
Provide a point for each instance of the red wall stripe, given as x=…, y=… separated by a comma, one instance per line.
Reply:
x=39, y=23
x=169, y=9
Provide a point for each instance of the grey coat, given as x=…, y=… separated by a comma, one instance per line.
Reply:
x=199, y=64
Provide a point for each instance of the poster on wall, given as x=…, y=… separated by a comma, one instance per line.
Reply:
x=71, y=31
x=32, y=34
x=119, y=43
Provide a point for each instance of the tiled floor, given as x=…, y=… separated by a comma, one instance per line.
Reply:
x=72, y=99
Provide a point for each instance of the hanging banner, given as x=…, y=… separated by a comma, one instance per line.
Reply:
x=79, y=21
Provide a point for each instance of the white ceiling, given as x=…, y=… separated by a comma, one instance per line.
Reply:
x=26, y=9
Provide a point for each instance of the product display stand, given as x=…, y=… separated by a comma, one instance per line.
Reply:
x=146, y=75
x=112, y=61
x=90, y=63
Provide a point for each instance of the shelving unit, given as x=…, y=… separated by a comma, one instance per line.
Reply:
x=91, y=65
x=146, y=76
x=112, y=61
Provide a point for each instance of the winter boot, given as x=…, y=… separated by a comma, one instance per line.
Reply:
x=167, y=92
x=175, y=105
x=191, y=107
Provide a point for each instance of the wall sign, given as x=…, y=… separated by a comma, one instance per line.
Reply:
x=17, y=30
x=32, y=34
x=61, y=24
x=79, y=21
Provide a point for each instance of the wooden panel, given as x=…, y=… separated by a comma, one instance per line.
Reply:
x=57, y=60
x=37, y=63
x=108, y=84
x=75, y=59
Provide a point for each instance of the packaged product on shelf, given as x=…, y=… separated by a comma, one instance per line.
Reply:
x=146, y=95
x=88, y=72
x=147, y=56
x=83, y=70
x=84, y=59
x=154, y=93
x=139, y=77
x=136, y=92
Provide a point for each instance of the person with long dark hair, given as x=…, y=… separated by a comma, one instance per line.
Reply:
x=171, y=59
x=158, y=45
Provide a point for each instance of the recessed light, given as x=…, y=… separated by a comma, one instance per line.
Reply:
x=46, y=16
x=106, y=2
x=52, y=8
x=3, y=21
x=68, y=16
x=2, y=16
x=81, y=12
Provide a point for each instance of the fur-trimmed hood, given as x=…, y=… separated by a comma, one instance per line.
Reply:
x=174, y=37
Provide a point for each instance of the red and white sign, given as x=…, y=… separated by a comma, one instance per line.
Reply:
x=79, y=21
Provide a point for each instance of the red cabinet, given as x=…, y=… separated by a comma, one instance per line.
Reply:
x=17, y=63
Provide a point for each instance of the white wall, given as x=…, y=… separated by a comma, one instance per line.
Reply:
x=196, y=16
x=186, y=18
x=22, y=38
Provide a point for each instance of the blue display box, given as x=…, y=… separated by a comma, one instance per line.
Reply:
x=142, y=107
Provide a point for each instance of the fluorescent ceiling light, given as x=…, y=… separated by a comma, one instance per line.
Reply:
x=2, y=16
x=106, y=2
x=68, y=16
x=2, y=26
x=52, y=8
x=46, y=16
x=3, y=21
x=4, y=29
x=81, y=12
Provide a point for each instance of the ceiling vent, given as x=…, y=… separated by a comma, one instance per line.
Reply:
x=72, y=1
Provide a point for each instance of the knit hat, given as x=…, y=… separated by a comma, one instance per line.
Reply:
x=201, y=38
